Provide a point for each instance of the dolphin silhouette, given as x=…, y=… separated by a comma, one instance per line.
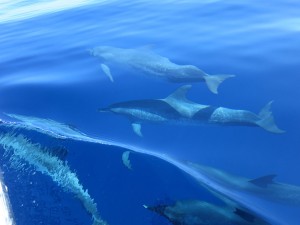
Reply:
x=278, y=203
x=177, y=109
x=195, y=212
x=148, y=63
x=264, y=187
x=263, y=198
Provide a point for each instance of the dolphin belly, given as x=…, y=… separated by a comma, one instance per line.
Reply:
x=156, y=111
x=141, y=115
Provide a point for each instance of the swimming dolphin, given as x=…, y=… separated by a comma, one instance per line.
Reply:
x=148, y=63
x=272, y=201
x=177, y=109
x=264, y=187
x=195, y=212
x=278, y=203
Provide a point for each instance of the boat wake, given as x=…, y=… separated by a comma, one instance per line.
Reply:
x=20, y=149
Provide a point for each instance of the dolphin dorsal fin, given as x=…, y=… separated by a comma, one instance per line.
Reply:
x=180, y=93
x=245, y=215
x=181, y=104
x=263, y=181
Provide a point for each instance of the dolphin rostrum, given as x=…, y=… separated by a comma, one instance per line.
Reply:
x=195, y=212
x=148, y=63
x=177, y=109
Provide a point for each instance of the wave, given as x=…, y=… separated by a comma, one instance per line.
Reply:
x=20, y=10
x=20, y=149
x=265, y=205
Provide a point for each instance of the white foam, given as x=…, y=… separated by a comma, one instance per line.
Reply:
x=20, y=149
x=5, y=209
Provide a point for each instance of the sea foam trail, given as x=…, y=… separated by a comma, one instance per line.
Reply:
x=21, y=149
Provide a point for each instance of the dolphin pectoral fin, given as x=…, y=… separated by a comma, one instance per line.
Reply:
x=213, y=81
x=267, y=120
x=244, y=215
x=137, y=129
x=126, y=160
x=264, y=181
x=107, y=72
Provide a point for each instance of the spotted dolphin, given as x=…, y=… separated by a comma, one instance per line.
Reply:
x=151, y=64
x=195, y=212
x=177, y=109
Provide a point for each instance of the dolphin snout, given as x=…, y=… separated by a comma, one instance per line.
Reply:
x=91, y=51
x=158, y=209
x=103, y=109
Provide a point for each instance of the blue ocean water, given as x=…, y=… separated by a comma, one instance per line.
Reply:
x=47, y=72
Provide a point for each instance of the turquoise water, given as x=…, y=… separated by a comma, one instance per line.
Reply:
x=48, y=72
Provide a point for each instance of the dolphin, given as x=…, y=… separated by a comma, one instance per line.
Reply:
x=264, y=187
x=195, y=212
x=151, y=64
x=177, y=109
x=276, y=202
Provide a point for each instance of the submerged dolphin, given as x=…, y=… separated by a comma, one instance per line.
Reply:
x=177, y=109
x=263, y=187
x=252, y=196
x=194, y=212
x=154, y=65
x=276, y=202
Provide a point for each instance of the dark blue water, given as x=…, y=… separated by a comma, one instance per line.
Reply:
x=47, y=72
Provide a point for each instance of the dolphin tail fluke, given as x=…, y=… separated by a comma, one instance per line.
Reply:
x=107, y=72
x=213, y=81
x=267, y=120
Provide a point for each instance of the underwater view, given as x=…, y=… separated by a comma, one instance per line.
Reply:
x=149, y=112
